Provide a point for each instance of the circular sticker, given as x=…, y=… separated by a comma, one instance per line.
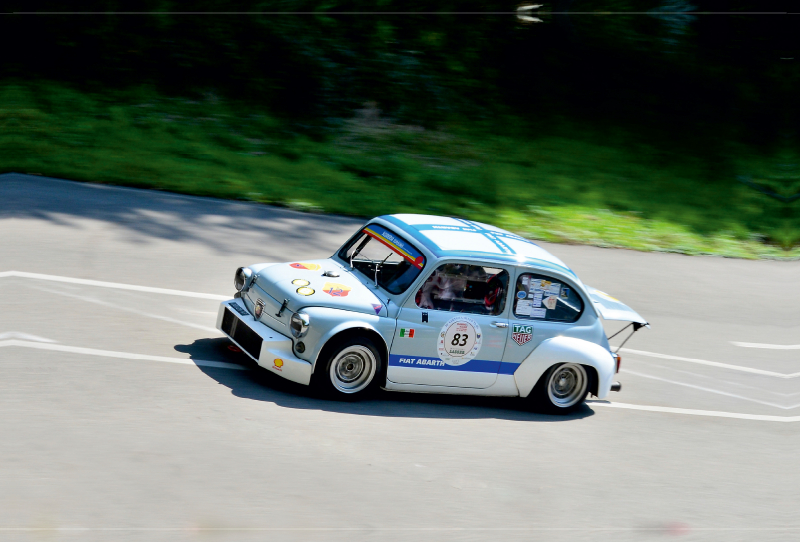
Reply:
x=522, y=294
x=300, y=282
x=459, y=340
x=305, y=290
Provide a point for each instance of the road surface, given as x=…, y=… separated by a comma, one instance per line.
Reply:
x=124, y=416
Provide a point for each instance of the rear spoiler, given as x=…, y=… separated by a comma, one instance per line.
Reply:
x=611, y=308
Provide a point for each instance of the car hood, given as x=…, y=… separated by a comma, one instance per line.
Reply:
x=283, y=281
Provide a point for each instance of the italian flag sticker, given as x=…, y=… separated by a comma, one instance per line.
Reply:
x=409, y=333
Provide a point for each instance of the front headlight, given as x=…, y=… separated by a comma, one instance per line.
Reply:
x=242, y=278
x=299, y=324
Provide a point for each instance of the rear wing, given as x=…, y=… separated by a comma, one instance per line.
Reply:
x=611, y=308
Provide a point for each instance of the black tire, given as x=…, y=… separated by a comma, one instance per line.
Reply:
x=349, y=370
x=563, y=388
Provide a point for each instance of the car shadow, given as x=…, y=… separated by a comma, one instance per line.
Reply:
x=258, y=384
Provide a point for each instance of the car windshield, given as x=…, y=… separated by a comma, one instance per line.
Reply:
x=384, y=257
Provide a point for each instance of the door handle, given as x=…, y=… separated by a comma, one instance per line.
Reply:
x=499, y=324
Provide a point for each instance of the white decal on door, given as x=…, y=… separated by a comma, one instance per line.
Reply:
x=459, y=341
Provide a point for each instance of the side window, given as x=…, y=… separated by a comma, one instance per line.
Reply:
x=545, y=298
x=465, y=288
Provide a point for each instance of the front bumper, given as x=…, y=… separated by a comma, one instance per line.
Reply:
x=269, y=348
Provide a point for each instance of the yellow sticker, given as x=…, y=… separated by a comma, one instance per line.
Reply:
x=305, y=290
x=300, y=282
x=306, y=266
x=278, y=364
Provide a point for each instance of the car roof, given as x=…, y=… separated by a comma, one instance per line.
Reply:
x=460, y=238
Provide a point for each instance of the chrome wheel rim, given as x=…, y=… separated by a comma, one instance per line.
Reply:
x=567, y=385
x=352, y=369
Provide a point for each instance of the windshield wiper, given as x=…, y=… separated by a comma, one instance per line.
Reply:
x=357, y=251
x=378, y=267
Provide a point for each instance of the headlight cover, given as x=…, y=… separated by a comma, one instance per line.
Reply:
x=242, y=279
x=299, y=324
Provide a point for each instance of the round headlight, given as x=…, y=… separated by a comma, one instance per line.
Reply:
x=299, y=324
x=241, y=280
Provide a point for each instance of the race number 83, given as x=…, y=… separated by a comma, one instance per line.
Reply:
x=459, y=340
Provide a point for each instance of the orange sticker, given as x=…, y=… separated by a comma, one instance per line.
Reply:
x=306, y=266
x=336, y=290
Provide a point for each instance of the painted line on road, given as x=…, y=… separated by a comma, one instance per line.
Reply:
x=118, y=307
x=224, y=365
x=24, y=337
x=692, y=412
x=711, y=390
x=711, y=363
x=768, y=346
x=117, y=285
x=120, y=355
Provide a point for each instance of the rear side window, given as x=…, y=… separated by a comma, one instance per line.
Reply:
x=539, y=297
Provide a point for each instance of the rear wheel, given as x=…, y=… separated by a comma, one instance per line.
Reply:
x=563, y=388
x=350, y=370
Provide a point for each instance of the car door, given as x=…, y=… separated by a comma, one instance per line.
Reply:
x=542, y=307
x=453, y=332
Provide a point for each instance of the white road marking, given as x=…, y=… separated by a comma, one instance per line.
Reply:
x=117, y=306
x=24, y=337
x=120, y=355
x=768, y=346
x=116, y=285
x=716, y=380
x=711, y=390
x=712, y=364
x=692, y=412
x=223, y=365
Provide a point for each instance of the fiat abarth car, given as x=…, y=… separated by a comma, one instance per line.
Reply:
x=421, y=303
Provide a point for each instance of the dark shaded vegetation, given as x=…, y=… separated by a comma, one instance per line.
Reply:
x=671, y=116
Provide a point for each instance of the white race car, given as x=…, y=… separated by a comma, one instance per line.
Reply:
x=430, y=304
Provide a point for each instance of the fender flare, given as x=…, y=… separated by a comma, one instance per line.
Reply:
x=350, y=326
x=559, y=350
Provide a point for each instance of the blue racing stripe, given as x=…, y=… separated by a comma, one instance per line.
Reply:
x=472, y=366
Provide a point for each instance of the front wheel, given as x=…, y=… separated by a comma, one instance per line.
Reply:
x=562, y=389
x=349, y=372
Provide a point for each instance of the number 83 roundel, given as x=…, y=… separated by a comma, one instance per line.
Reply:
x=459, y=340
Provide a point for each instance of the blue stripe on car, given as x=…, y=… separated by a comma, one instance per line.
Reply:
x=472, y=366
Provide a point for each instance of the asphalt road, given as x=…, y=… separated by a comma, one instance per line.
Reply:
x=123, y=415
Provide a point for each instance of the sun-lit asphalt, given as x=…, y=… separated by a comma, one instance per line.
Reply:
x=100, y=442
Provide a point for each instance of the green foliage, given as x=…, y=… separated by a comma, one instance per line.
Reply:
x=567, y=183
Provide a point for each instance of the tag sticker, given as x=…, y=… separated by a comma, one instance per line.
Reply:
x=555, y=288
x=459, y=340
x=536, y=285
x=524, y=307
x=538, y=313
x=550, y=302
x=537, y=299
x=526, y=280
x=521, y=334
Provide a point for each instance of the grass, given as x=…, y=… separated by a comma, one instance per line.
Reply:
x=557, y=182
